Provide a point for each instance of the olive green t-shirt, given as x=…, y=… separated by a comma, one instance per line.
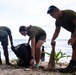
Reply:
x=66, y=20
x=34, y=31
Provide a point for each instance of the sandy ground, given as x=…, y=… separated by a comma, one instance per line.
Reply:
x=14, y=70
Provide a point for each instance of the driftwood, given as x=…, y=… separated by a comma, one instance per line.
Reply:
x=51, y=64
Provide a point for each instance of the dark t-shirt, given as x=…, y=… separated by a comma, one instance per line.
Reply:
x=4, y=32
x=5, y=29
x=34, y=31
x=66, y=20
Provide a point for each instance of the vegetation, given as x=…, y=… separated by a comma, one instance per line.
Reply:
x=58, y=55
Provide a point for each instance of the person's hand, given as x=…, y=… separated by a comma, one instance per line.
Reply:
x=71, y=41
x=32, y=62
x=12, y=47
x=52, y=42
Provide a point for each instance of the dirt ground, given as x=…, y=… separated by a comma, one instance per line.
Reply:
x=16, y=70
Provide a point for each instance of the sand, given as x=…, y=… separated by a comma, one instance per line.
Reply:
x=15, y=70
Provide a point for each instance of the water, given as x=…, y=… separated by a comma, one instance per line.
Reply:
x=61, y=44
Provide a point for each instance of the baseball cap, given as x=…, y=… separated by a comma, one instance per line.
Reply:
x=51, y=8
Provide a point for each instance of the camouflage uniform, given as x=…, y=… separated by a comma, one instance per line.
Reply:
x=4, y=32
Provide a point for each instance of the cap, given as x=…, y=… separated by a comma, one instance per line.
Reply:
x=22, y=28
x=51, y=9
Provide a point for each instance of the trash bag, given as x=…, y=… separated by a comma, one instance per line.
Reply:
x=23, y=52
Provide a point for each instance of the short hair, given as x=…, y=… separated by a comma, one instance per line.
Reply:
x=22, y=28
x=51, y=9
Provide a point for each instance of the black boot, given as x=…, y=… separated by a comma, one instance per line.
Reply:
x=75, y=70
x=70, y=68
x=7, y=62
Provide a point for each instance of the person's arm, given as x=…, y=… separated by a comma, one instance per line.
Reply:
x=33, y=47
x=73, y=38
x=32, y=51
x=11, y=41
x=74, y=34
x=55, y=35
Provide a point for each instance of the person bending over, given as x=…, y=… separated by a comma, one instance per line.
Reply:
x=4, y=33
x=67, y=20
x=37, y=36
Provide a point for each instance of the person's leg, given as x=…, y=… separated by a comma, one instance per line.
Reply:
x=74, y=51
x=72, y=64
x=4, y=44
x=5, y=48
x=0, y=59
x=40, y=39
x=38, y=51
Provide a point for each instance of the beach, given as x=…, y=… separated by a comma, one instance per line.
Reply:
x=12, y=70
x=14, y=13
x=16, y=70
x=60, y=45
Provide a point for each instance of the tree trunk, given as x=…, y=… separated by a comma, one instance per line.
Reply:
x=51, y=64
